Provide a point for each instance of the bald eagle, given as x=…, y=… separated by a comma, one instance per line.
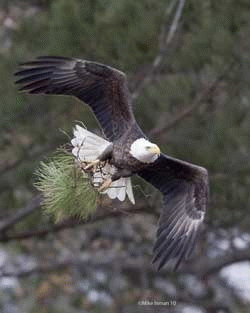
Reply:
x=126, y=149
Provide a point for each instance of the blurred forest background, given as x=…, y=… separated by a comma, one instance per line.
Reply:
x=188, y=65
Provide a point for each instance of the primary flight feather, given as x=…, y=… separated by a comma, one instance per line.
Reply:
x=126, y=150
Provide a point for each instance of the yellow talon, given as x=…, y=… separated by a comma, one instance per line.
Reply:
x=105, y=185
x=92, y=165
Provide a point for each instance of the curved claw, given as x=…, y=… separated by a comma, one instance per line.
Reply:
x=105, y=185
x=92, y=166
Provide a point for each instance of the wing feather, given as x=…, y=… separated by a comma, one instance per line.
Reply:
x=185, y=191
x=103, y=88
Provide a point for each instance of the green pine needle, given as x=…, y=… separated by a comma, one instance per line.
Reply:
x=66, y=189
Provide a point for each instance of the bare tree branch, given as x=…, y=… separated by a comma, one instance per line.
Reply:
x=206, y=266
x=215, y=265
x=30, y=208
x=165, y=43
x=102, y=214
x=176, y=20
x=8, y=166
x=191, y=107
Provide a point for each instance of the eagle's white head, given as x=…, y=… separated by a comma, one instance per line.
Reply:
x=144, y=150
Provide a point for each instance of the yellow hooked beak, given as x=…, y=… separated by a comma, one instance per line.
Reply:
x=154, y=150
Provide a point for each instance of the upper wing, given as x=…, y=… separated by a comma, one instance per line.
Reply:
x=185, y=192
x=103, y=88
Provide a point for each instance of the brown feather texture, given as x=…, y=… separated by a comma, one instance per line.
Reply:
x=103, y=88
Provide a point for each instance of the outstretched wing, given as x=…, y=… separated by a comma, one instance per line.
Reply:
x=103, y=88
x=185, y=192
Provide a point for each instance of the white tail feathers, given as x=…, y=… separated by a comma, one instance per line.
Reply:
x=87, y=148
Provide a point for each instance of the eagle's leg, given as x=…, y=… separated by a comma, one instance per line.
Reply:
x=106, y=184
x=105, y=155
x=91, y=166
x=117, y=175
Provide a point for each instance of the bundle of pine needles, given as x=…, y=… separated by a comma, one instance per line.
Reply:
x=67, y=191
